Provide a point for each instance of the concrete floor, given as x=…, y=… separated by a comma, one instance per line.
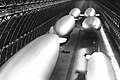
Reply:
x=62, y=67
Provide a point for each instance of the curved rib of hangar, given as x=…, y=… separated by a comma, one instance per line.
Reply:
x=59, y=40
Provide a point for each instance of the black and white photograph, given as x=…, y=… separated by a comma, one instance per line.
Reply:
x=59, y=40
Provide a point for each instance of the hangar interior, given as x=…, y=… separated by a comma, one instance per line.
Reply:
x=24, y=21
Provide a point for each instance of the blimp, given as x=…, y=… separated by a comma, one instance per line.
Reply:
x=99, y=67
x=64, y=26
x=80, y=63
x=90, y=12
x=35, y=61
x=75, y=12
x=90, y=23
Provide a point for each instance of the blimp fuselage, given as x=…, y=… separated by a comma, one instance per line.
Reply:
x=64, y=25
x=35, y=61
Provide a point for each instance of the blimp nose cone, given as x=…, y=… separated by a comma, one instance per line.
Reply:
x=90, y=12
x=64, y=25
x=91, y=23
x=99, y=67
x=75, y=12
